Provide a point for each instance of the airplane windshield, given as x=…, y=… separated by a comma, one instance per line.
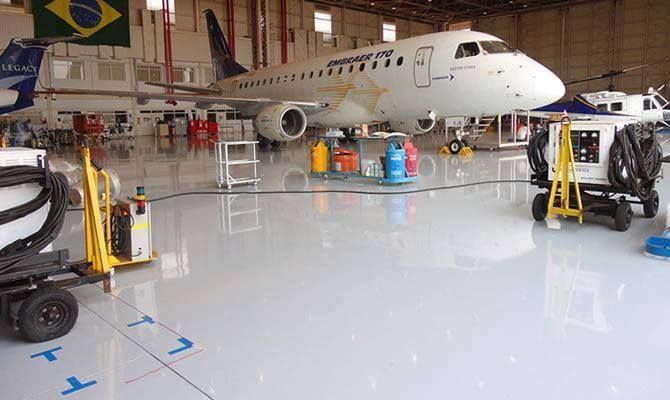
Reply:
x=495, y=47
x=467, y=50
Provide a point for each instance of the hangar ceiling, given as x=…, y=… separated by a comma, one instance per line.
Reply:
x=439, y=11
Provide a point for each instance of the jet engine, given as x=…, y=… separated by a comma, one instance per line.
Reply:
x=8, y=97
x=413, y=126
x=281, y=122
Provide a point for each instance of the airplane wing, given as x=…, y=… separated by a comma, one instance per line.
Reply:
x=248, y=105
x=187, y=88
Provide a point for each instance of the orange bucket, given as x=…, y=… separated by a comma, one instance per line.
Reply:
x=345, y=161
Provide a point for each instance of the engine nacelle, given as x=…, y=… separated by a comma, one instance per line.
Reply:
x=413, y=126
x=282, y=122
x=8, y=97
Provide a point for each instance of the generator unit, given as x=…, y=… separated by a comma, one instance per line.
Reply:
x=591, y=143
x=131, y=232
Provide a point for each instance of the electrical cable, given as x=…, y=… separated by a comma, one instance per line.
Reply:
x=55, y=192
x=335, y=191
x=635, y=160
x=536, y=150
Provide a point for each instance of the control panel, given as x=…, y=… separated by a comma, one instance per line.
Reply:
x=586, y=145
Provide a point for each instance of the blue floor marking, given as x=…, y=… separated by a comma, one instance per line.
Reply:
x=187, y=344
x=145, y=319
x=76, y=385
x=48, y=354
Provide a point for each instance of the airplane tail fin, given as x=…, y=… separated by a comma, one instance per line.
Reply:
x=223, y=61
x=19, y=68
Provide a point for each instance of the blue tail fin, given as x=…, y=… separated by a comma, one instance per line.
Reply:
x=19, y=68
x=223, y=62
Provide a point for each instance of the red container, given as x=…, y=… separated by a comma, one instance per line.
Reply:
x=411, y=156
x=345, y=161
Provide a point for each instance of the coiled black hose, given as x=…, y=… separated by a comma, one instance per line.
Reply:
x=55, y=192
x=635, y=160
x=535, y=152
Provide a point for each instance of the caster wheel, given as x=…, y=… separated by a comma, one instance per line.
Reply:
x=47, y=314
x=540, y=204
x=229, y=187
x=623, y=216
x=651, y=205
x=455, y=146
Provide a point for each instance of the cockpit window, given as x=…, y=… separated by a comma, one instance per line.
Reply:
x=495, y=47
x=467, y=50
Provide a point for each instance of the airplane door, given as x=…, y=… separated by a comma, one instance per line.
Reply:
x=422, y=66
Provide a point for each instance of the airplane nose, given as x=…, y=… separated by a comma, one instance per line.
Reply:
x=548, y=87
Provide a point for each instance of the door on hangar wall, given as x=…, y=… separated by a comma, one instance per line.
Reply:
x=422, y=66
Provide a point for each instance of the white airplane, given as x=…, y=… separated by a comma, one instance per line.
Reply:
x=410, y=83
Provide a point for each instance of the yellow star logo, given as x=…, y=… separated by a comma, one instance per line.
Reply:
x=86, y=16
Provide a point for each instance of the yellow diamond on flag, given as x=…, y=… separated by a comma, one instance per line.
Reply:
x=86, y=16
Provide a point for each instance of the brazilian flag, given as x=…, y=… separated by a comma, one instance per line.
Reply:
x=101, y=22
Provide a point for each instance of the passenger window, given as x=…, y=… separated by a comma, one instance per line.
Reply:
x=258, y=82
x=302, y=76
x=270, y=81
x=400, y=60
x=246, y=85
x=252, y=84
x=265, y=81
x=362, y=67
x=374, y=65
x=387, y=63
x=240, y=86
x=292, y=77
x=469, y=49
x=616, y=106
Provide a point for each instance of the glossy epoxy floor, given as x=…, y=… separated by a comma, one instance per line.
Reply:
x=451, y=294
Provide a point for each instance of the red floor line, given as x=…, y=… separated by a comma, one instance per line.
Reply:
x=163, y=366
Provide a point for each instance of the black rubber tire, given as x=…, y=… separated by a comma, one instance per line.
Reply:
x=650, y=206
x=47, y=314
x=263, y=142
x=623, y=216
x=275, y=145
x=455, y=146
x=540, y=203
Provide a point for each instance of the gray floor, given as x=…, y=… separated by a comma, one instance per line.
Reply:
x=451, y=294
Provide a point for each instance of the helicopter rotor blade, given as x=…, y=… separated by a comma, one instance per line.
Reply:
x=610, y=74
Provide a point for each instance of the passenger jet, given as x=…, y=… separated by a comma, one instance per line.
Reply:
x=410, y=83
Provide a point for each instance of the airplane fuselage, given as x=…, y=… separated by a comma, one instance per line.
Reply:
x=407, y=79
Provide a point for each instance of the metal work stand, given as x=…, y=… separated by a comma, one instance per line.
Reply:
x=223, y=164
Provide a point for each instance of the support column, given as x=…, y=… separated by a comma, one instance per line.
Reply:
x=283, y=16
x=231, y=26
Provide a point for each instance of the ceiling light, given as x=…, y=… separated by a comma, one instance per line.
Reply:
x=484, y=13
x=393, y=8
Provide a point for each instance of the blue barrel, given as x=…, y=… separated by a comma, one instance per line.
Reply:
x=395, y=161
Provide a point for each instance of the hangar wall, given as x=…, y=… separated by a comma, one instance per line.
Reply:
x=593, y=38
x=352, y=29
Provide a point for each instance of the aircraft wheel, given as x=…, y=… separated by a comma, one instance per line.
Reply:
x=455, y=146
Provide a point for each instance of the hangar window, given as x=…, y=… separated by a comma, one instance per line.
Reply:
x=618, y=106
x=320, y=73
x=388, y=31
x=108, y=71
x=400, y=60
x=302, y=76
x=361, y=67
x=183, y=74
x=68, y=69
x=374, y=65
x=311, y=74
x=467, y=50
x=495, y=47
x=330, y=71
x=339, y=71
x=148, y=73
x=265, y=81
x=387, y=63
x=323, y=22
x=158, y=5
